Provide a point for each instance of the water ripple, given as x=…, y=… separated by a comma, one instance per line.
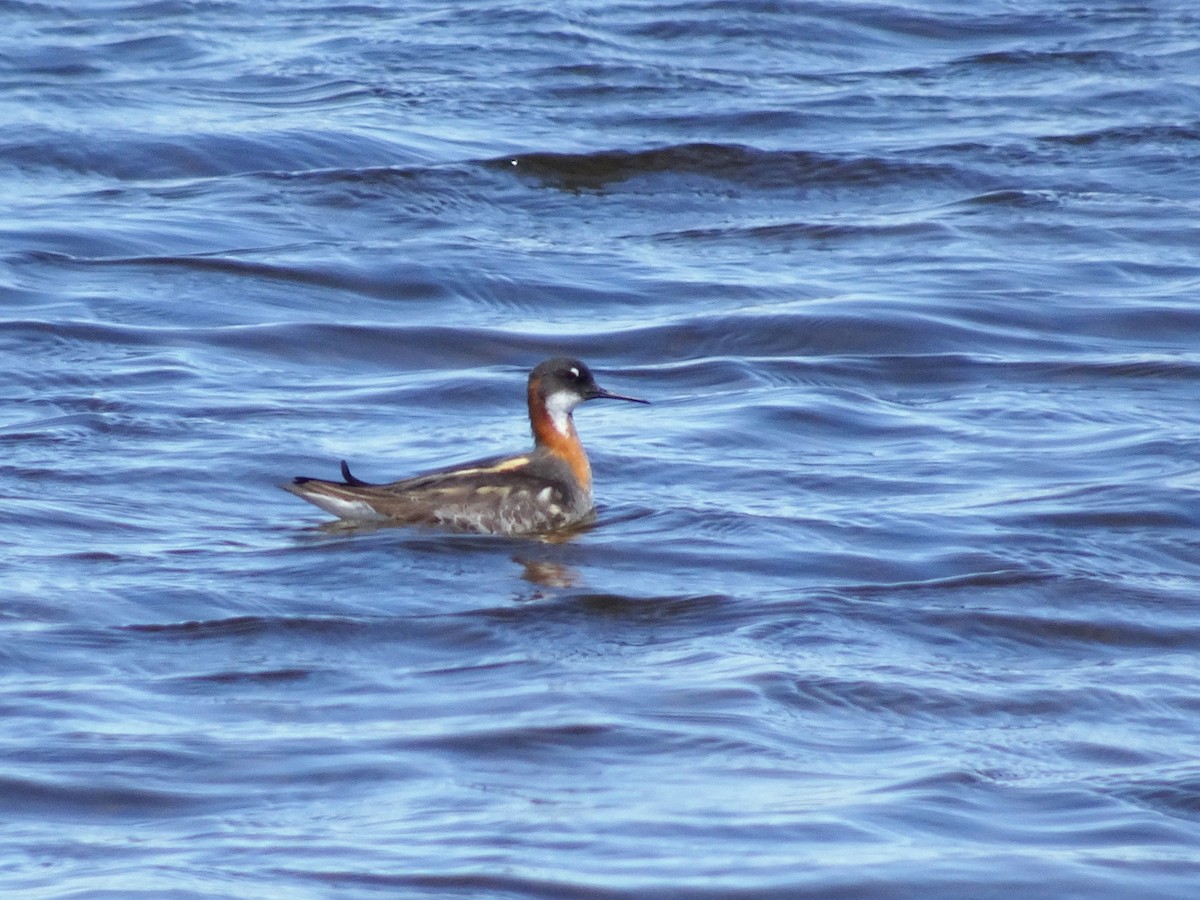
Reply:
x=890, y=592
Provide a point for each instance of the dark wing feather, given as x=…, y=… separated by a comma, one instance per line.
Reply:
x=350, y=479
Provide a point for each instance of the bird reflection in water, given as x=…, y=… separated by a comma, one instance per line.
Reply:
x=546, y=573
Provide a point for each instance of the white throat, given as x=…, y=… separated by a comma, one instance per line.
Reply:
x=560, y=405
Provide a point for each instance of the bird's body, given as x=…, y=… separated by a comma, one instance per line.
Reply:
x=545, y=489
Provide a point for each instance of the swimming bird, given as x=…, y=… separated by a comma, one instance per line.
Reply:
x=545, y=489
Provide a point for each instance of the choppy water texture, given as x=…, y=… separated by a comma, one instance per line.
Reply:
x=893, y=591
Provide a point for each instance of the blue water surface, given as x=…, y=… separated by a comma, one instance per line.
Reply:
x=892, y=592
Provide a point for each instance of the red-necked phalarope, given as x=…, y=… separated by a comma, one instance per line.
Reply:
x=547, y=488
